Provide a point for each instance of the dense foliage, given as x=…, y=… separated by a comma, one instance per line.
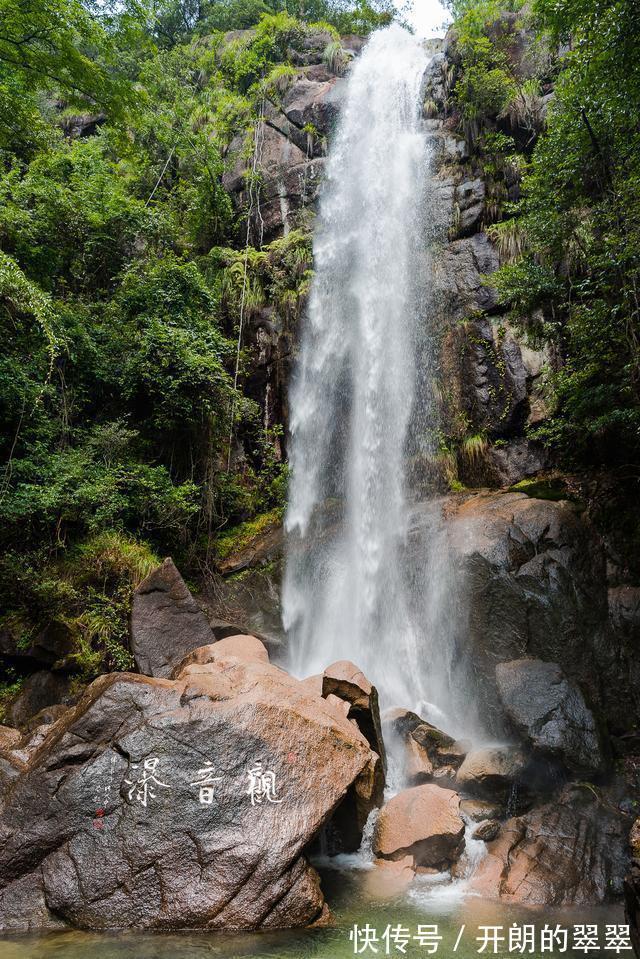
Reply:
x=567, y=113
x=119, y=272
x=122, y=267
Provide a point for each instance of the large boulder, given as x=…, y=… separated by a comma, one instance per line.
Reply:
x=527, y=578
x=550, y=713
x=346, y=689
x=425, y=752
x=423, y=822
x=344, y=680
x=166, y=622
x=188, y=803
x=570, y=852
x=40, y=690
x=492, y=772
x=517, y=459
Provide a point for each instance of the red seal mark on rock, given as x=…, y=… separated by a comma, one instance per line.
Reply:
x=291, y=757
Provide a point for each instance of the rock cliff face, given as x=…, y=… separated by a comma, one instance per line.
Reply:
x=494, y=379
x=289, y=152
x=535, y=571
x=550, y=713
x=532, y=574
x=274, y=178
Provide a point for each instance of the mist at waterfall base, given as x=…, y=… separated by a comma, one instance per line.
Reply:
x=363, y=409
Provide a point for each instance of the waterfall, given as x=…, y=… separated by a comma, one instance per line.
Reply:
x=360, y=403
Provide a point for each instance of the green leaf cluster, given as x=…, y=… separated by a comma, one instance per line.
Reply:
x=571, y=252
x=122, y=262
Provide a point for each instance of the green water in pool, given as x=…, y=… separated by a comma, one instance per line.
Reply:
x=460, y=922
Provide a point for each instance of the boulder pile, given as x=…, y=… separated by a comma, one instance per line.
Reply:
x=186, y=800
x=193, y=793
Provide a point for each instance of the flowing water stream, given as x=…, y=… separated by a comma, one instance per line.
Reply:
x=362, y=401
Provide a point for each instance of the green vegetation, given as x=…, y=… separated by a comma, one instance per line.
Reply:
x=553, y=488
x=122, y=270
x=239, y=538
x=127, y=425
x=562, y=109
x=80, y=598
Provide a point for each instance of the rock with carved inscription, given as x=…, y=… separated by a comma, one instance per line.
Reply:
x=187, y=803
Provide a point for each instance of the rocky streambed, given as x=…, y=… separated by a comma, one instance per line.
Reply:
x=198, y=795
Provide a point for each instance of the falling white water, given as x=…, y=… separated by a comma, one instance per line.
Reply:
x=359, y=399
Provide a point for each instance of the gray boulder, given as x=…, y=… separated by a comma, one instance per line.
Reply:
x=166, y=622
x=517, y=459
x=344, y=680
x=491, y=772
x=531, y=573
x=549, y=711
x=111, y=823
x=39, y=691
